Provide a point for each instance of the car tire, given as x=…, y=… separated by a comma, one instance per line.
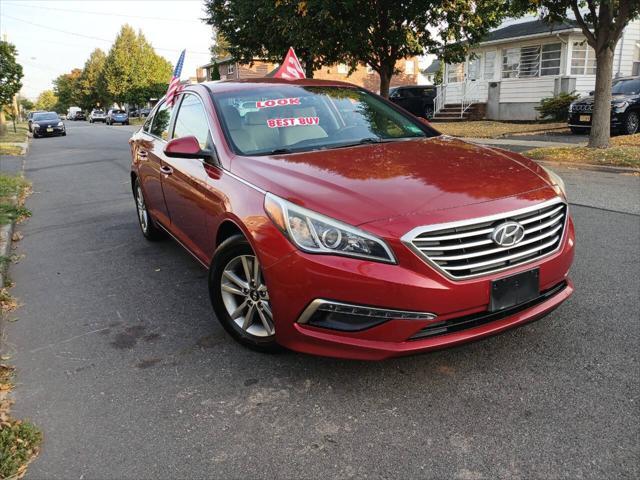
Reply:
x=631, y=123
x=126, y=123
x=241, y=305
x=64, y=134
x=147, y=224
x=578, y=130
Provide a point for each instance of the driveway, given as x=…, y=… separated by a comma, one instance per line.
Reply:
x=124, y=368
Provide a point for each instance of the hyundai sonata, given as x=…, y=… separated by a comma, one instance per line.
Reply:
x=335, y=223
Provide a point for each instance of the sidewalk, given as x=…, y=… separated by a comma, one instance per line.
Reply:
x=524, y=144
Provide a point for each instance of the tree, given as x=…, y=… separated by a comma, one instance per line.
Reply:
x=220, y=47
x=133, y=72
x=26, y=104
x=67, y=89
x=47, y=101
x=265, y=29
x=602, y=23
x=377, y=33
x=10, y=75
x=92, y=83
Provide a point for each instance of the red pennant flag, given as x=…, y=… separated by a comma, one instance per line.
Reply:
x=290, y=68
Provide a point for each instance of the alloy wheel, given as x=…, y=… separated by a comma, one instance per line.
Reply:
x=245, y=296
x=632, y=123
x=143, y=216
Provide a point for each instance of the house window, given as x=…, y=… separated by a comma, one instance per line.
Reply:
x=635, y=68
x=510, y=62
x=529, y=61
x=583, y=59
x=343, y=69
x=231, y=69
x=473, y=70
x=489, y=65
x=550, y=63
x=455, y=73
x=408, y=67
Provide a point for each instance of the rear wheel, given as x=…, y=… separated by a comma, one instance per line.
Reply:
x=239, y=295
x=147, y=224
x=630, y=125
x=428, y=112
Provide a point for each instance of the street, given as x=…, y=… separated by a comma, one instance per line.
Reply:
x=128, y=374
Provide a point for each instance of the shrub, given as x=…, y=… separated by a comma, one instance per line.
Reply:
x=557, y=107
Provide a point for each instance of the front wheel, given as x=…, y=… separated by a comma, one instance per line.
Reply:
x=631, y=121
x=428, y=112
x=147, y=225
x=239, y=295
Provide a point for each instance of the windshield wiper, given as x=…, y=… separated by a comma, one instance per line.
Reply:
x=278, y=151
x=364, y=141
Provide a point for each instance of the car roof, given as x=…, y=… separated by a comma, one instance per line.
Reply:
x=266, y=82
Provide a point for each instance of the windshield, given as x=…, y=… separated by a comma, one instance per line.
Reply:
x=45, y=116
x=119, y=111
x=626, y=87
x=98, y=112
x=290, y=118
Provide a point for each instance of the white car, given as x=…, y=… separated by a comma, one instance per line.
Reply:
x=97, y=116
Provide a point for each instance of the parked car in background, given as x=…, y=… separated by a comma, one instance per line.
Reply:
x=359, y=235
x=144, y=112
x=117, y=116
x=625, y=108
x=71, y=112
x=97, y=115
x=77, y=115
x=133, y=112
x=30, y=118
x=417, y=99
x=47, y=124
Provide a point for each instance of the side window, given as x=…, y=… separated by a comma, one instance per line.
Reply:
x=192, y=121
x=160, y=122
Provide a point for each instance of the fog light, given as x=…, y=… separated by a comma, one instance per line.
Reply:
x=353, y=318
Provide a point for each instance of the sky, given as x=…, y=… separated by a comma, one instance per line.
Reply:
x=54, y=36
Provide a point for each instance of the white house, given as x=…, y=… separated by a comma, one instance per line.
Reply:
x=516, y=66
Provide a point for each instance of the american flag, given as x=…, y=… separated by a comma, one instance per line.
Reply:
x=174, y=84
x=290, y=68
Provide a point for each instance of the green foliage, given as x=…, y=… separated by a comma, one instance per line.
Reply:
x=352, y=31
x=19, y=442
x=215, y=72
x=67, y=88
x=557, y=107
x=10, y=73
x=26, y=104
x=220, y=47
x=133, y=70
x=47, y=101
x=93, y=92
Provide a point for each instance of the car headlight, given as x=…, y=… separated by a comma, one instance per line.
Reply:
x=315, y=233
x=556, y=180
x=571, y=105
x=60, y=124
x=620, y=106
x=35, y=125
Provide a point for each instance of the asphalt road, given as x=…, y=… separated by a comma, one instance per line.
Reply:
x=124, y=368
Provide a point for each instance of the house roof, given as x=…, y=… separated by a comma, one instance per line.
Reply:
x=218, y=61
x=526, y=29
x=433, y=68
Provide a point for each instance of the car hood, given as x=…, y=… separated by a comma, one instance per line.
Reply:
x=614, y=98
x=364, y=183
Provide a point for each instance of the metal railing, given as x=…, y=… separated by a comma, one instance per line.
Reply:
x=468, y=97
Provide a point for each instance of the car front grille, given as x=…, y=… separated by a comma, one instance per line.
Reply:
x=466, y=249
x=582, y=107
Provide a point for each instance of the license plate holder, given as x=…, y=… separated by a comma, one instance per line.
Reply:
x=49, y=130
x=585, y=118
x=514, y=290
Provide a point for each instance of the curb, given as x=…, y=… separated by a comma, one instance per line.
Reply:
x=6, y=233
x=588, y=166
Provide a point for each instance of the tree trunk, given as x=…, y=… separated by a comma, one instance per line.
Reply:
x=601, y=116
x=385, y=81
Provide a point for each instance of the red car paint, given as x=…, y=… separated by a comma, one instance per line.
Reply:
x=385, y=189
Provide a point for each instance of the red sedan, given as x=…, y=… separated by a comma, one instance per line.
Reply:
x=335, y=223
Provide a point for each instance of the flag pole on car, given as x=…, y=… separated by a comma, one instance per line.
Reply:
x=174, y=85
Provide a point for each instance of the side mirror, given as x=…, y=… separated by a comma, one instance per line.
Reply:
x=187, y=147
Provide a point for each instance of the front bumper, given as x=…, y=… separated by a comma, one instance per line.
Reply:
x=43, y=131
x=298, y=279
x=578, y=119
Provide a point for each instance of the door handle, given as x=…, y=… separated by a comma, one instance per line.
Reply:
x=166, y=170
